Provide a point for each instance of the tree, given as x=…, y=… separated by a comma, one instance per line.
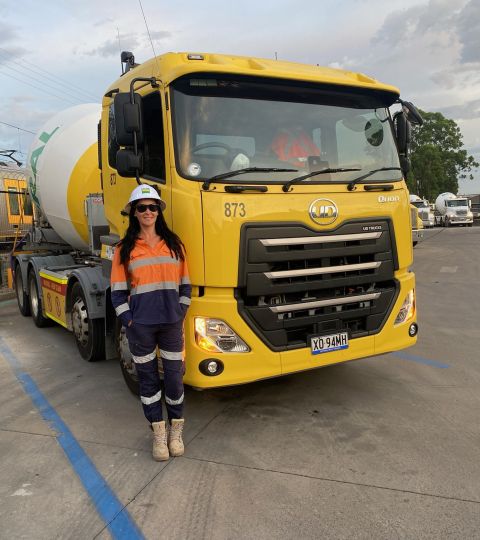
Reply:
x=438, y=157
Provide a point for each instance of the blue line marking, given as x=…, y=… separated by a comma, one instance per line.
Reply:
x=115, y=516
x=420, y=360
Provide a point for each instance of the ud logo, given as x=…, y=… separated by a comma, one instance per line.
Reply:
x=323, y=211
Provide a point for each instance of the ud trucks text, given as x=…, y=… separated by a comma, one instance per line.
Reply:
x=286, y=183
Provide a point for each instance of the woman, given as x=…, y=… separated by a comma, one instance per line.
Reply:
x=151, y=293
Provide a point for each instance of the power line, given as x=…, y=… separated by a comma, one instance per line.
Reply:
x=44, y=83
x=50, y=76
x=16, y=127
x=37, y=88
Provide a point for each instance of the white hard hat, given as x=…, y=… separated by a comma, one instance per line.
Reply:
x=144, y=191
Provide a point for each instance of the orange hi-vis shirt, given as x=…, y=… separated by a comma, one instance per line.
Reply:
x=294, y=147
x=153, y=288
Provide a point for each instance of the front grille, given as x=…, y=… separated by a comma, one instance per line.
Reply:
x=295, y=282
x=461, y=212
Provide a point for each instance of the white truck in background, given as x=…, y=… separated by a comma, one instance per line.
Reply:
x=425, y=212
x=453, y=210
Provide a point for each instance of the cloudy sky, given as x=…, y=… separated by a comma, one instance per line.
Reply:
x=54, y=54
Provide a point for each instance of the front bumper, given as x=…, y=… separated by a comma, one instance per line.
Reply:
x=261, y=362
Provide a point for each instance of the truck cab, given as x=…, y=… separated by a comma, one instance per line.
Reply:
x=285, y=184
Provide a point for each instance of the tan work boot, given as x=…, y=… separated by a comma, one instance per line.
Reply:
x=160, y=448
x=175, y=441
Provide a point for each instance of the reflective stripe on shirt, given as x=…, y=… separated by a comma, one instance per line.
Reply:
x=119, y=286
x=149, y=261
x=121, y=309
x=160, y=286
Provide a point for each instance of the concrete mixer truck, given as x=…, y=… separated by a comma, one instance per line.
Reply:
x=453, y=210
x=297, y=260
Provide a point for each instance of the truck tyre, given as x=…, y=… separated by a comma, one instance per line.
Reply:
x=88, y=333
x=22, y=296
x=127, y=364
x=35, y=301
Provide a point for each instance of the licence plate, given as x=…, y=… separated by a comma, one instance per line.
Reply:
x=333, y=342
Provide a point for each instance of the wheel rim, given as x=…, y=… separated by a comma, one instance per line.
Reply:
x=33, y=296
x=19, y=288
x=80, y=322
x=126, y=356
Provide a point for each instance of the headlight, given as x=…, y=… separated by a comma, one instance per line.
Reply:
x=407, y=311
x=214, y=335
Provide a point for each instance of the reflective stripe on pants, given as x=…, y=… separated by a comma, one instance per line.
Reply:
x=143, y=340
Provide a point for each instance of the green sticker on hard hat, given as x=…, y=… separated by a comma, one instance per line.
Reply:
x=145, y=190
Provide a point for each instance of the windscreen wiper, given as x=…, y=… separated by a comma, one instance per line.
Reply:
x=206, y=184
x=351, y=185
x=299, y=179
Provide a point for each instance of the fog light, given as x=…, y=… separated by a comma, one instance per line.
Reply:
x=413, y=330
x=214, y=335
x=211, y=367
x=407, y=311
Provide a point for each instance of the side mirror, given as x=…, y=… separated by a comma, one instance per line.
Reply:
x=413, y=115
x=128, y=118
x=402, y=132
x=129, y=163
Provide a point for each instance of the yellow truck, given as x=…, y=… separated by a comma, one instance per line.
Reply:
x=285, y=182
x=16, y=212
x=417, y=225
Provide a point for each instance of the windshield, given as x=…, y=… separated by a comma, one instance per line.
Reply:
x=420, y=204
x=223, y=125
x=457, y=202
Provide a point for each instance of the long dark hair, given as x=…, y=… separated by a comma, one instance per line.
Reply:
x=175, y=245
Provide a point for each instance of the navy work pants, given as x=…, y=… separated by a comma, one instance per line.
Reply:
x=142, y=341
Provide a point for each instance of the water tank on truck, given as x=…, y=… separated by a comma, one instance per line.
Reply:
x=453, y=210
x=63, y=167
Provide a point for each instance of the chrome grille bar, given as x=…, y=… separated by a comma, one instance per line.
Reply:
x=325, y=303
x=270, y=242
x=322, y=270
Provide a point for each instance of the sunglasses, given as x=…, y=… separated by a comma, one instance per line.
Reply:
x=144, y=207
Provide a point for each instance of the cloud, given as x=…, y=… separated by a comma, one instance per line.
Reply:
x=160, y=35
x=463, y=111
x=7, y=33
x=101, y=22
x=112, y=47
x=468, y=25
x=8, y=53
x=130, y=42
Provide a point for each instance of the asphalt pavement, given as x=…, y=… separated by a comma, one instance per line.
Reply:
x=385, y=447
